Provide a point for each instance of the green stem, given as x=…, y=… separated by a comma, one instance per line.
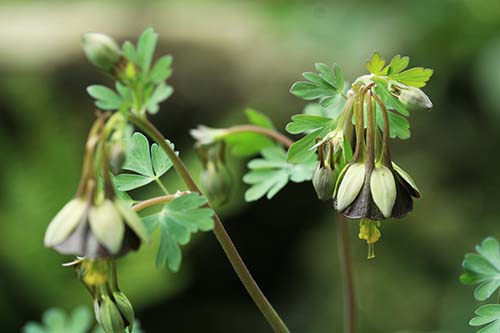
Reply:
x=160, y=184
x=221, y=234
x=284, y=140
x=157, y=201
x=348, y=281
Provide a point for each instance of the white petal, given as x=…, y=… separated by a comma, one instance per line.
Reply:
x=64, y=222
x=383, y=188
x=350, y=186
x=107, y=226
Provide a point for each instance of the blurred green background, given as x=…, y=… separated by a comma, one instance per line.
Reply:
x=229, y=55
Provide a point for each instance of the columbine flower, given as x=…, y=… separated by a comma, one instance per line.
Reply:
x=106, y=229
x=369, y=189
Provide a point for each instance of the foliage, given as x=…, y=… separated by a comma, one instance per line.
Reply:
x=269, y=174
x=483, y=268
x=148, y=163
x=177, y=220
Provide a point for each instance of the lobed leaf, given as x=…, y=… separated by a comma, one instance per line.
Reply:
x=145, y=48
x=415, y=77
x=269, y=174
x=176, y=221
x=483, y=269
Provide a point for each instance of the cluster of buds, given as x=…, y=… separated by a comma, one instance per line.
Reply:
x=215, y=178
x=113, y=310
x=370, y=186
x=97, y=226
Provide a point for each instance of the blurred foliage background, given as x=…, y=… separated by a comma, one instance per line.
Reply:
x=229, y=55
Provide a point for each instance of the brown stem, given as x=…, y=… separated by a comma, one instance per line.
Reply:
x=386, y=154
x=369, y=133
x=157, y=201
x=283, y=139
x=220, y=232
x=345, y=257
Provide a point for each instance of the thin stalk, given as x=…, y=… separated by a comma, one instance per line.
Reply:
x=386, y=155
x=345, y=257
x=157, y=201
x=284, y=140
x=220, y=233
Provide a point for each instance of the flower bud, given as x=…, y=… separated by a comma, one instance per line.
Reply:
x=101, y=50
x=110, y=317
x=125, y=307
x=215, y=178
x=324, y=181
x=216, y=183
x=414, y=99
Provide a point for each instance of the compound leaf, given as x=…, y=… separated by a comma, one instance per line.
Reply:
x=176, y=221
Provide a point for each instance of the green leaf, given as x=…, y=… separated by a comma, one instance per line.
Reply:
x=415, y=77
x=257, y=118
x=303, y=123
x=148, y=163
x=339, y=76
x=376, y=64
x=161, y=70
x=55, y=320
x=390, y=101
x=487, y=315
x=161, y=93
x=269, y=174
x=309, y=91
x=106, y=99
x=483, y=268
x=327, y=83
x=177, y=220
x=316, y=127
x=129, y=51
x=397, y=64
x=146, y=48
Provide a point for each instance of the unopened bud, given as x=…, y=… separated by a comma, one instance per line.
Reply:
x=111, y=319
x=414, y=99
x=323, y=181
x=101, y=50
x=216, y=183
x=125, y=307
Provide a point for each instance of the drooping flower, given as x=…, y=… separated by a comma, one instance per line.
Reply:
x=371, y=189
x=106, y=229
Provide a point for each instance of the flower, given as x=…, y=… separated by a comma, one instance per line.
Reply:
x=325, y=174
x=106, y=229
x=376, y=194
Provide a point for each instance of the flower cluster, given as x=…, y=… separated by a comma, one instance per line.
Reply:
x=369, y=186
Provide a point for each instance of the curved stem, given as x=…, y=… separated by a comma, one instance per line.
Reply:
x=283, y=139
x=156, y=201
x=220, y=232
x=348, y=281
